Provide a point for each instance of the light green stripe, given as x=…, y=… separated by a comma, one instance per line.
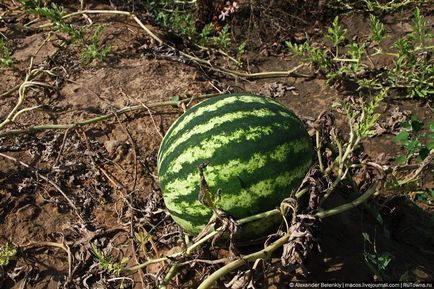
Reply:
x=247, y=197
x=213, y=123
x=189, y=116
x=179, y=125
x=206, y=149
x=294, y=147
x=244, y=199
x=186, y=186
x=215, y=106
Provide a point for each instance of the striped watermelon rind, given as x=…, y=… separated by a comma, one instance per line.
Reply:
x=258, y=152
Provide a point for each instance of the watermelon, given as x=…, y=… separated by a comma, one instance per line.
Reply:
x=257, y=152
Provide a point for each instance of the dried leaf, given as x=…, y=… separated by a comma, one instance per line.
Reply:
x=275, y=89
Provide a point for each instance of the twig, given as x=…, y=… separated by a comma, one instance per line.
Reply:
x=134, y=152
x=123, y=110
x=111, y=12
x=24, y=110
x=61, y=148
x=153, y=120
x=273, y=74
x=172, y=272
x=412, y=177
x=21, y=94
x=62, y=246
x=185, y=253
x=262, y=254
x=318, y=150
x=71, y=204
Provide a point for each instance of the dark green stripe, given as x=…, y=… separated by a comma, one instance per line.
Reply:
x=209, y=102
x=268, y=202
x=261, y=204
x=242, y=150
x=245, y=180
x=236, y=106
x=227, y=128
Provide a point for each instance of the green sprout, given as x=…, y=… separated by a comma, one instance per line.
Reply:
x=377, y=262
x=336, y=34
x=412, y=71
x=7, y=253
x=95, y=50
x=416, y=142
x=107, y=263
x=377, y=30
x=223, y=39
x=5, y=54
x=55, y=14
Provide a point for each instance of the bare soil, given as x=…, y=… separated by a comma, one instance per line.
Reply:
x=106, y=171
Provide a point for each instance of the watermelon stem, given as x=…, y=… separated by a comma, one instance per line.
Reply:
x=184, y=253
x=342, y=160
x=169, y=275
x=267, y=251
x=262, y=254
x=318, y=150
x=345, y=207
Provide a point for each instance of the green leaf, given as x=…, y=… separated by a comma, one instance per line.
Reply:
x=413, y=146
x=406, y=125
x=423, y=153
x=241, y=49
x=384, y=260
x=336, y=34
x=7, y=253
x=421, y=196
x=430, y=145
x=431, y=127
x=366, y=237
x=400, y=160
x=401, y=137
x=294, y=48
x=377, y=29
x=416, y=124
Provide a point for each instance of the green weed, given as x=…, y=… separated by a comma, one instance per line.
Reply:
x=241, y=49
x=206, y=34
x=336, y=34
x=377, y=262
x=54, y=13
x=5, y=54
x=107, y=263
x=95, y=50
x=413, y=67
x=425, y=196
x=373, y=6
x=371, y=117
x=363, y=115
x=223, y=38
x=311, y=54
x=412, y=70
x=178, y=17
x=416, y=142
x=175, y=16
x=377, y=30
x=7, y=253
